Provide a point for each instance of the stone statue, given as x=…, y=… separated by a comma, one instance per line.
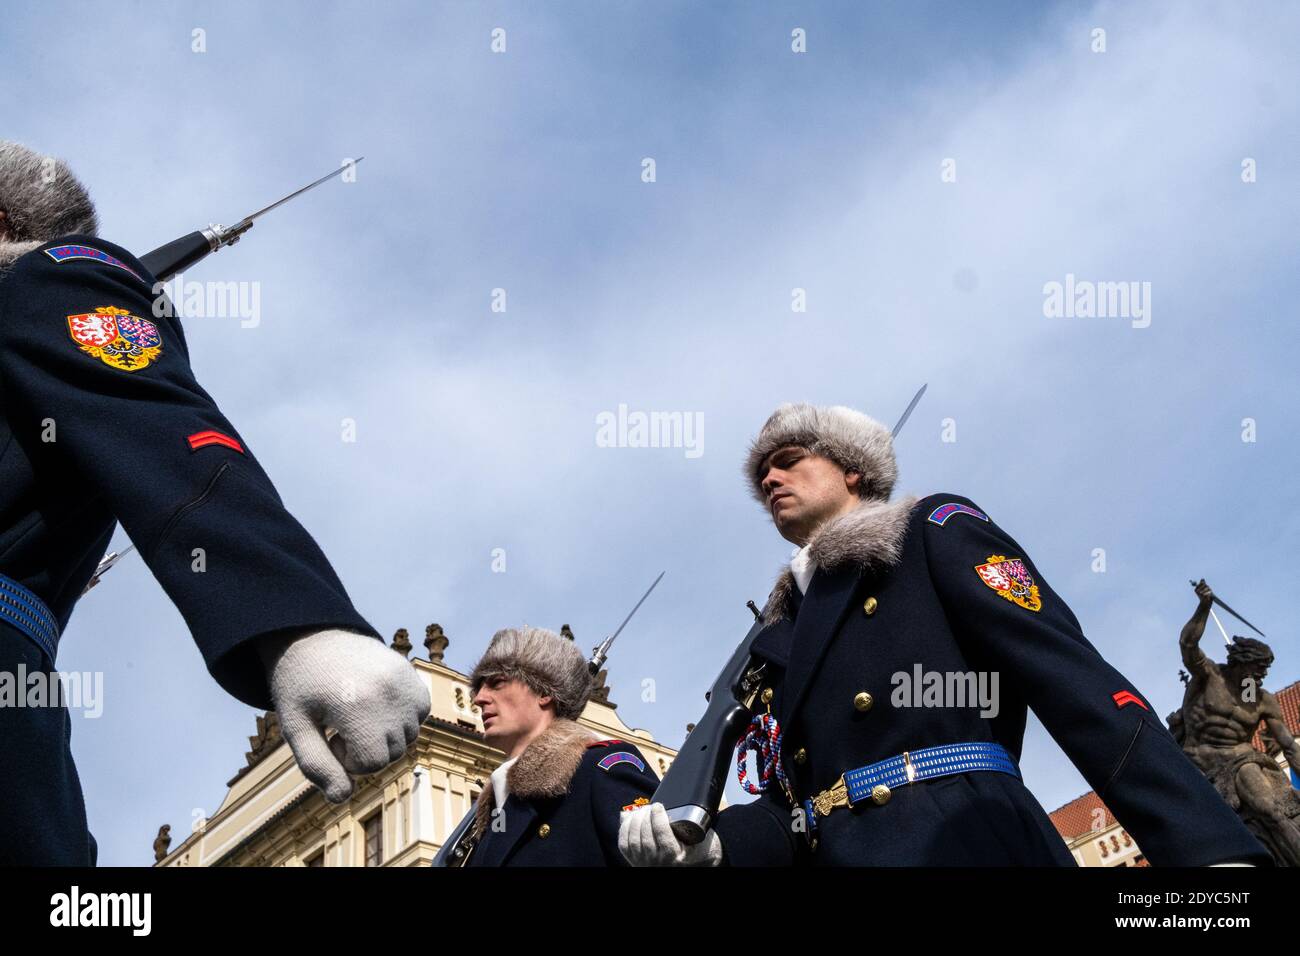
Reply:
x=162, y=842
x=435, y=642
x=1223, y=705
x=265, y=740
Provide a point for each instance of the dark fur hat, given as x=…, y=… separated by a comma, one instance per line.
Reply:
x=549, y=664
x=854, y=441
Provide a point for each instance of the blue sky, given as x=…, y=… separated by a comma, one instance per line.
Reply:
x=775, y=171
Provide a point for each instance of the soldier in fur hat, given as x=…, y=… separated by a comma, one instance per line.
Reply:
x=879, y=745
x=558, y=797
x=103, y=422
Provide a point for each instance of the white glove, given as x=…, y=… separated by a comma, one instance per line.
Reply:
x=353, y=683
x=646, y=838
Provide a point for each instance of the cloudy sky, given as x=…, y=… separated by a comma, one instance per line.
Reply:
x=774, y=171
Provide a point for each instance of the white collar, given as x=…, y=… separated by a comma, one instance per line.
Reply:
x=802, y=567
x=500, y=786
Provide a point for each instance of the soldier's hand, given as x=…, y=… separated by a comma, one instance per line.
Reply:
x=354, y=684
x=646, y=838
x=1204, y=593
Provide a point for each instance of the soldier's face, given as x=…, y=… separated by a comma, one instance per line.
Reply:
x=803, y=490
x=510, y=711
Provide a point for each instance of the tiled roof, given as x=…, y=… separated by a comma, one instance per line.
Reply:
x=1075, y=818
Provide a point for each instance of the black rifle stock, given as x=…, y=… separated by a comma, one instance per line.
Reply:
x=179, y=254
x=692, y=788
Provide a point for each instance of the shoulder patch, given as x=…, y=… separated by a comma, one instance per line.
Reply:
x=116, y=337
x=609, y=761
x=1011, y=579
x=67, y=253
x=942, y=513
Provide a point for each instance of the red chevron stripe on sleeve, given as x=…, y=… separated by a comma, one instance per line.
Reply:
x=1123, y=697
x=200, y=439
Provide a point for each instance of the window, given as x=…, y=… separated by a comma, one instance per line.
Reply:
x=374, y=831
x=317, y=859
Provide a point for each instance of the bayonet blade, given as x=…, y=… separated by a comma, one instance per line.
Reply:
x=907, y=413
x=602, y=651
x=638, y=605
x=106, y=562
x=293, y=195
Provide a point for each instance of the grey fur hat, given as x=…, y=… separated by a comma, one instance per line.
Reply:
x=551, y=666
x=854, y=441
x=41, y=197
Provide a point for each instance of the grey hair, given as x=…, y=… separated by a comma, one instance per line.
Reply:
x=854, y=441
x=41, y=197
x=551, y=666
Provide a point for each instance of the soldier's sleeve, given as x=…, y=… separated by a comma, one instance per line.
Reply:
x=1002, y=609
x=99, y=387
x=759, y=833
x=624, y=780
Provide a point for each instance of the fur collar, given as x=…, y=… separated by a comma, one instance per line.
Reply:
x=11, y=252
x=544, y=769
x=870, y=537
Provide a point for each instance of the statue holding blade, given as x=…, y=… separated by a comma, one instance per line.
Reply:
x=1223, y=706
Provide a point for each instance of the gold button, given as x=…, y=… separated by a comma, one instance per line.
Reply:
x=870, y=606
x=880, y=794
x=545, y=829
x=767, y=695
x=801, y=756
x=863, y=701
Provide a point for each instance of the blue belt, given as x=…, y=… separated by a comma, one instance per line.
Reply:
x=875, y=781
x=25, y=611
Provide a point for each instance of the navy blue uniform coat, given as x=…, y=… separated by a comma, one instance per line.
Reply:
x=932, y=607
x=85, y=444
x=567, y=793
